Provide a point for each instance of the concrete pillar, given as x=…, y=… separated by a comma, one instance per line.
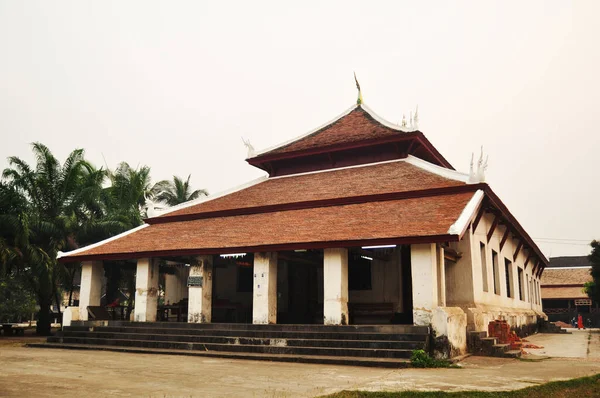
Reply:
x=423, y=259
x=264, y=304
x=176, y=285
x=90, y=291
x=335, y=283
x=200, y=296
x=146, y=290
x=441, y=277
x=171, y=292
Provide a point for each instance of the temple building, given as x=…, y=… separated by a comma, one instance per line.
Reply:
x=563, y=295
x=358, y=222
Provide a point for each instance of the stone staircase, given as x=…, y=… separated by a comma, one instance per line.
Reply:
x=363, y=345
x=479, y=344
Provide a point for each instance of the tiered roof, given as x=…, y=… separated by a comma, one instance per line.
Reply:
x=358, y=180
x=356, y=136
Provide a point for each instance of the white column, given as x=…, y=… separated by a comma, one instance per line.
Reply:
x=264, y=304
x=441, y=277
x=146, y=290
x=91, y=286
x=423, y=262
x=200, y=296
x=172, y=293
x=335, y=286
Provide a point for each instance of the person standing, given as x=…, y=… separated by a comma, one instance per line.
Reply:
x=579, y=322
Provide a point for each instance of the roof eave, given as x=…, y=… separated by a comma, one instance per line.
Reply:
x=265, y=248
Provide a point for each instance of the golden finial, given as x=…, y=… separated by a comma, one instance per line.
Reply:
x=359, y=100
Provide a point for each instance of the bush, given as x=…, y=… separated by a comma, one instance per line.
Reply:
x=420, y=359
x=16, y=301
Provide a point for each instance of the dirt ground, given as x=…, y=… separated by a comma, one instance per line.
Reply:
x=37, y=372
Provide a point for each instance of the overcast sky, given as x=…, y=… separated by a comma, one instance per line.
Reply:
x=175, y=84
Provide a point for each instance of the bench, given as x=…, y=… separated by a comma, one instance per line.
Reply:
x=371, y=313
x=178, y=309
x=9, y=328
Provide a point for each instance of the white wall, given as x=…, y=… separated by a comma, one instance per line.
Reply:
x=507, y=252
x=487, y=306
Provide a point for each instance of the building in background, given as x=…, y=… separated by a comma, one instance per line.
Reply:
x=563, y=297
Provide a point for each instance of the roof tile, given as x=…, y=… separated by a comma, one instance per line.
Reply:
x=428, y=216
x=357, y=126
x=392, y=177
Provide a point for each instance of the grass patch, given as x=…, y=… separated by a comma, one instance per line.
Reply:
x=582, y=387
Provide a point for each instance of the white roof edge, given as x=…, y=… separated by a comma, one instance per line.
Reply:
x=384, y=122
x=347, y=111
x=467, y=213
x=570, y=267
x=375, y=116
x=212, y=197
x=94, y=245
x=439, y=170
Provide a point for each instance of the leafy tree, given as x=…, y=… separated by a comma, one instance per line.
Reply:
x=593, y=288
x=125, y=199
x=58, y=206
x=177, y=191
x=54, y=207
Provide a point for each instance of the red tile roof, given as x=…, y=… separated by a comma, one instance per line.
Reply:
x=328, y=226
x=566, y=276
x=357, y=126
x=398, y=176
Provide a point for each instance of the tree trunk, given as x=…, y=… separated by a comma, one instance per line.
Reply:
x=44, y=318
x=58, y=303
x=71, y=295
x=72, y=272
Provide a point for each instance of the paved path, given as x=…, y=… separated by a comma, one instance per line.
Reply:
x=36, y=372
x=577, y=344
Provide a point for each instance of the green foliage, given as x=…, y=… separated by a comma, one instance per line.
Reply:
x=420, y=359
x=592, y=288
x=177, y=191
x=52, y=207
x=17, y=303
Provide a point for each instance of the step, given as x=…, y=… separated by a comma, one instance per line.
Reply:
x=270, y=349
x=397, y=329
x=313, y=359
x=512, y=354
x=498, y=350
x=255, y=333
x=371, y=344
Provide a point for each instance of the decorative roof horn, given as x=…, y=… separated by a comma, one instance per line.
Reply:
x=477, y=176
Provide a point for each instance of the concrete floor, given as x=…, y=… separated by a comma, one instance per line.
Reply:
x=36, y=372
x=580, y=344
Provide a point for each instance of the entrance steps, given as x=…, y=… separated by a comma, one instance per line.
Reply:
x=480, y=344
x=366, y=345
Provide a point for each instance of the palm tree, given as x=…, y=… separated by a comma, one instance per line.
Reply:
x=125, y=199
x=58, y=210
x=176, y=191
